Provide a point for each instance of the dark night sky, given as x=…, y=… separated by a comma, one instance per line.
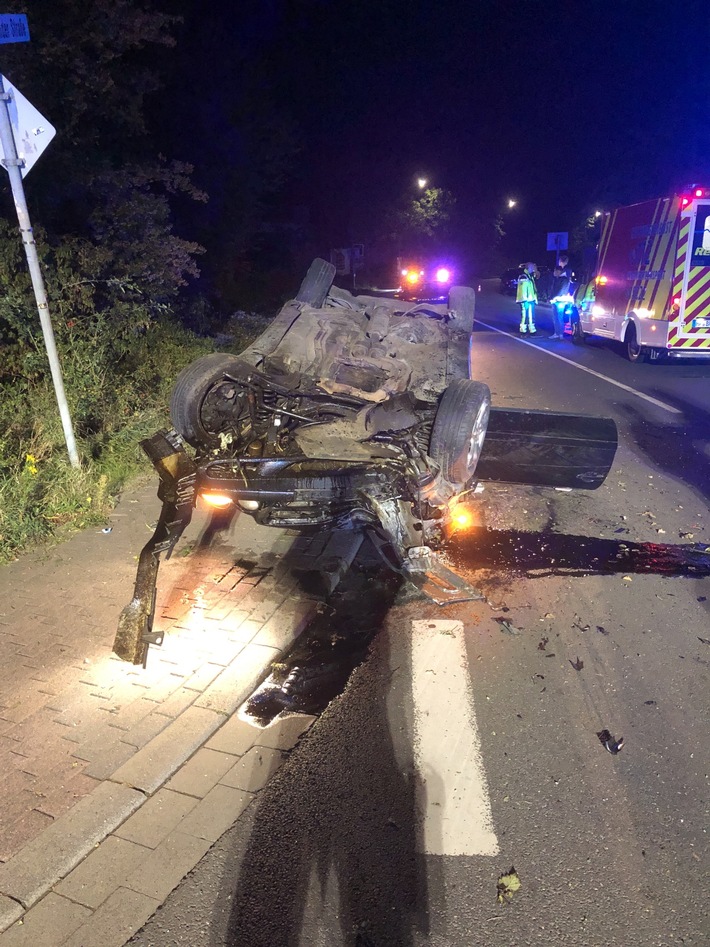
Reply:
x=564, y=106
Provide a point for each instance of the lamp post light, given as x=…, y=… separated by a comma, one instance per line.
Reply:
x=511, y=203
x=422, y=183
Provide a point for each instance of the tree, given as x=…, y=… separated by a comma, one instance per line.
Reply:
x=90, y=68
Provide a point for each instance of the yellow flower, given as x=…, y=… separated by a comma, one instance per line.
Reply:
x=30, y=464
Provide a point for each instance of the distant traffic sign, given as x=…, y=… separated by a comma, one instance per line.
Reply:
x=31, y=130
x=14, y=28
x=557, y=241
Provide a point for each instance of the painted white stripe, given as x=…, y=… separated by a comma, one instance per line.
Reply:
x=452, y=795
x=583, y=368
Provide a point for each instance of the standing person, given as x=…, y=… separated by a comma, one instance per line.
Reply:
x=561, y=295
x=526, y=295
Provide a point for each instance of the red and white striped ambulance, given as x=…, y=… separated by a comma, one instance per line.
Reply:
x=651, y=290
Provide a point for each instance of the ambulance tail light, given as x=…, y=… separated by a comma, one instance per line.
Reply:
x=601, y=280
x=684, y=201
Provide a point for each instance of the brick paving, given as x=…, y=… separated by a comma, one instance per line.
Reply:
x=86, y=740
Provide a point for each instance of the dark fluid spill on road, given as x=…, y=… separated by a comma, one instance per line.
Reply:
x=318, y=667
x=544, y=554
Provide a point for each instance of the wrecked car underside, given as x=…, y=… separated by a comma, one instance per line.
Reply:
x=350, y=412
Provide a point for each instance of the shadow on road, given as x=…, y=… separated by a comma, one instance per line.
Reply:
x=331, y=857
x=546, y=553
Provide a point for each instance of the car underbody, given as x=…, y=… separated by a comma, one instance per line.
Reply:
x=351, y=412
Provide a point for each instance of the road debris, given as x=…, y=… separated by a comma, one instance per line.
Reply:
x=107, y=529
x=609, y=743
x=578, y=664
x=507, y=627
x=543, y=644
x=508, y=884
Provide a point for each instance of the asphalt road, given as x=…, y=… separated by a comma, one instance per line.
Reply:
x=468, y=740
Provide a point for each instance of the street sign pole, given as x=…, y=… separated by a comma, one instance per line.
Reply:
x=12, y=163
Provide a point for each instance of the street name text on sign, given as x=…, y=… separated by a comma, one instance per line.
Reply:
x=14, y=28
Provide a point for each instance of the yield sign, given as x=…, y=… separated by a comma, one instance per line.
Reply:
x=31, y=130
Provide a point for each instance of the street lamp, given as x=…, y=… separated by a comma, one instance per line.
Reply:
x=597, y=213
x=422, y=183
x=511, y=203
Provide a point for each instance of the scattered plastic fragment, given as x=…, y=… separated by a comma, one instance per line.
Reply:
x=563, y=489
x=507, y=885
x=507, y=627
x=650, y=703
x=543, y=644
x=107, y=529
x=704, y=640
x=627, y=578
x=602, y=630
x=608, y=741
x=578, y=664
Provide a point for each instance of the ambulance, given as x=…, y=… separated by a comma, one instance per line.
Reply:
x=651, y=289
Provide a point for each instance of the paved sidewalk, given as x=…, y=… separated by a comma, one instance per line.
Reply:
x=89, y=743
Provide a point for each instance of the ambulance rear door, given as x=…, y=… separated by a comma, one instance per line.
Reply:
x=689, y=328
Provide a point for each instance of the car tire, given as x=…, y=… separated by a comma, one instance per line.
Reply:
x=316, y=283
x=634, y=351
x=459, y=429
x=462, y=307
x=196, y=394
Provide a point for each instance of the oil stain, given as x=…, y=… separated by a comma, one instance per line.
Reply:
x=318, y=667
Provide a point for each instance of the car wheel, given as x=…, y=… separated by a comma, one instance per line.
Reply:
x=634, y=351
x=462, y=307
x=579, y=337
x=202, y=400
x=460, y=428
x=316, y=283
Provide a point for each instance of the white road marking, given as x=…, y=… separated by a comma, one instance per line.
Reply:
x=452, y=797
x=582, y=368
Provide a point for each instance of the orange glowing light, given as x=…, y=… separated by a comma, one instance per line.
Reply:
x=412, y=276
x=462, y=519
x=602, y=280
x=218, y=500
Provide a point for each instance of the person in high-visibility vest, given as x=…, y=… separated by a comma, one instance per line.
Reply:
x=526, y=295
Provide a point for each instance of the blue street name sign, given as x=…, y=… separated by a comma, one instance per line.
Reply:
x=14, y=28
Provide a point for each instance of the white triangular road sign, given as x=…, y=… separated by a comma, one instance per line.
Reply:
x=31, y=130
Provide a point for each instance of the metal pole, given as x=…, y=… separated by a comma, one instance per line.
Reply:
x=12, y=164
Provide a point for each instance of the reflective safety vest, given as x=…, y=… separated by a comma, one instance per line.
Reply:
x=526, y=291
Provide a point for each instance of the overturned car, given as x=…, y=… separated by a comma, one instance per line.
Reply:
x=350, y=411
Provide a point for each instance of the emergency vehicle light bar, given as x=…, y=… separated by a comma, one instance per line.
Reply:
x=698, y=192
